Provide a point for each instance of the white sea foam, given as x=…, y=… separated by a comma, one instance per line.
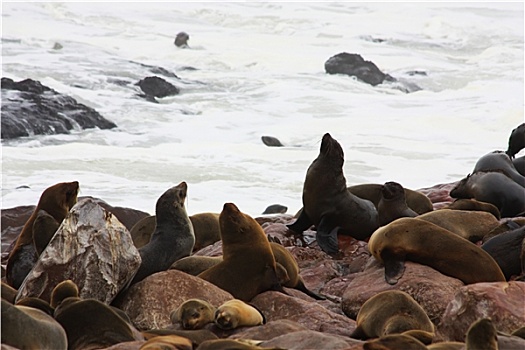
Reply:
x=260, y=71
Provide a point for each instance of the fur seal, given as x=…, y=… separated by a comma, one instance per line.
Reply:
x=507, y=250
x=231, y=344
x=499, y=161
x=8, y=293
x=236, y=313
x=28, y=328
x=516, y=140
x=416, y=200
x=205, y=228
x=495, y=188
x=392, y=204
x=449, y=345
x=328, y=204
x=519, y=164
x=394, y=342
x=482, y=335
x=173, y=237
x=181, y=40
x=37, y=303
x=56, y=200
x=196, y=264
x=393, y=312
x=193, y=314
x=471, y=225
x=475, y=205
x=248, y=267
x=63, y=290
x=167, y=342
x=44, y=228
x=425, y=243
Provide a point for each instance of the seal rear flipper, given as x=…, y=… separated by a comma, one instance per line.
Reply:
x=358, y=333
x=300, y=286
x=394, y=267
x=327, y=236
x=302, y=223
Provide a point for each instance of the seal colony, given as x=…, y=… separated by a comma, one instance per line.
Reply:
x=395, y=224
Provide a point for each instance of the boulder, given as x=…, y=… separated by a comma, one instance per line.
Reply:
x=30, y=108
x=269, y=330
x=91, y=248
x=309, y=340
x=431, y=289
x=439, y=194
x=276, y=306
x=150, y=302
x=354, y=65
x=157, y=87
x=503, y=302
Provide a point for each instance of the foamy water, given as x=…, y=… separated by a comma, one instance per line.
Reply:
x=260, y=71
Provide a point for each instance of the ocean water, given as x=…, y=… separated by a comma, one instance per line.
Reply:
x=259, y=70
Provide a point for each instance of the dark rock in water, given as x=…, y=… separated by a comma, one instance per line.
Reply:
x=91, y=248
x=516, y=140
x=157, y=87
x=354, y=65
x=157, y=70
x=271, y=141
x=30, y=108
x=275, y=209
x=181, y=40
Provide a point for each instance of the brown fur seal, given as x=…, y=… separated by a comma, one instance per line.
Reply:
x=393, y=312
x=516, y=140
x=167, y=342
x=471, y=225
x=29, y=328
x=449, y=345
x=474, y=205
x=394, y=342
x=193, y=314
x=482, y=335
x=499, y=161
x=56, y=200
x=248, y=267
x=495, y=188
x=507, y=249
x=173, y=237
x=236, y=313
x=392, y=204
x=63, y=290
x=205, y=228
x=416, y=201
x=8, y=293
x=425, y=243
x=36, y=303
x=232, y=344
x=196, y=264
x=327, y=203
x=44, y=228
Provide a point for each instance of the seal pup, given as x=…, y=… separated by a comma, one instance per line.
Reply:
x=57, y=201
x=425, y=243
x=236, y=313
x=495, y=188
x=173, y=237
x=516, y=141
x=28, y=328
x=181, y=40
x=193, y=314
x=328, y=204
x=392, y=204
x=482, y=335
x=393, y=312
x=248, y=266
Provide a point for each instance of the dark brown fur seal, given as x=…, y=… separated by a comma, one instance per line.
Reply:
x=495, y=188
x=193, y=314
x=248, y=267
x=475, y=205
x=516, y=140
x=416, y=201
x=44, y=228
x=499, y=161
x=393, y=312
x=328, y=204
x=482, y=335
x=173, y=237
x=519, y=164
x=426, y=243
x=392, y=204
x=507, y=249
x=56, y=200
x=8, y=293
x=181, y=40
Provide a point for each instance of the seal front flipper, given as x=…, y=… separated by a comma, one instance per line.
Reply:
x=394, y=267
x=302, y=223
x=327, y=236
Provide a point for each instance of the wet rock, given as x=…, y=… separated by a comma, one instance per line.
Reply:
x=157, y=87
x=276, y=306
x=275, y=209
x=150, y=302
x=502, y=302
x=30, y=108
x=428, y=287
x=309, y=340
x=354, y=65
x=439, y=194
x=271, y=141
x=92, y=248
x=181, y=40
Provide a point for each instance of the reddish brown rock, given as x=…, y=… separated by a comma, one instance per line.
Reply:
x=91, y=248
x=503, y=302
x=309, y=340
x=276, y=306
x=149, y=302
x=270, y=330
x=439, y=194
x=431, y=289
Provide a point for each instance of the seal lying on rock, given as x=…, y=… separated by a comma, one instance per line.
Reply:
x=328, y=204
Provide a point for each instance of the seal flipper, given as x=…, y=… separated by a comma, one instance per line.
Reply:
x=302, y=223
x=300, y=286
x=394, y=267
x=327, y=236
